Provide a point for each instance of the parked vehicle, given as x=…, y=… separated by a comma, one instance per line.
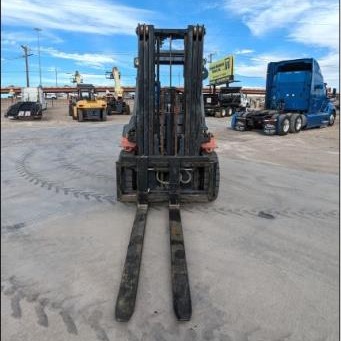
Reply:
x=295, y=99
x=51, y=96
x=116, y=104
x=85, y=106
x=225, y=102
x=31, y=105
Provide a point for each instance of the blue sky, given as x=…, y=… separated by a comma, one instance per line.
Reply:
x=93, y=36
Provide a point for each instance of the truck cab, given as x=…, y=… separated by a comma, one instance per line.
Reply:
x=299, y=86
x=295, y=99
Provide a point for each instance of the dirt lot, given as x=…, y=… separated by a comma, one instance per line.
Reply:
x=64, y=238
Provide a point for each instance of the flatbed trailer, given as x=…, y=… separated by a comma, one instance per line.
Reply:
x=225, y=102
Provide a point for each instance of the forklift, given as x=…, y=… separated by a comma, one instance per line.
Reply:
x=167, y=154
x=86, y=106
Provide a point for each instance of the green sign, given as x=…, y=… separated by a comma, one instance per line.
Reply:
x=221, y=72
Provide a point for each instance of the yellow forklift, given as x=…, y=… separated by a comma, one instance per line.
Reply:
x=86, y=106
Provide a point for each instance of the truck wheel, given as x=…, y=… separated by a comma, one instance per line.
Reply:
x=229, y=111
x=295, y=123
x=283, y=125
x=79, y=115
x=223, y=112
x=332, y=119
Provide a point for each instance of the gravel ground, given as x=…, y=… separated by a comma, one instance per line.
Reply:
x=263, y=258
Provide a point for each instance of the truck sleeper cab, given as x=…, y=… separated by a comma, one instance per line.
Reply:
x=295, y=99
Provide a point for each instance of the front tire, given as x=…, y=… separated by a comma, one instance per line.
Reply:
x=283, y=125
x=104, y=115
x=331, y=119
x=70, y=110
x=79, y=115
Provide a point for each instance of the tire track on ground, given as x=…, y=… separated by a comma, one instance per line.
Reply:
x=75, y=169
x=37, y=179
x=264, y=213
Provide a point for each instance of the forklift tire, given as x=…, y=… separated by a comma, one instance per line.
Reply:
x=214, y=158
x=79, y=115
x=295, y=123
x=332, y=119
x=70, y=110
x=283, y=125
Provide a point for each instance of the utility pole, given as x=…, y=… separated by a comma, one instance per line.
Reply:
x=39, y=30
x=210, y=56
x=26, y=55
x=55, y=69
x=210, y=61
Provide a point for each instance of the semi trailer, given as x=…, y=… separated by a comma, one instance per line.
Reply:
x=295, y=99
x=225, y=102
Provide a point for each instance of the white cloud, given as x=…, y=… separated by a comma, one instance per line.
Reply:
x=244, y=51
x=257, y=66
x=13, y=40
x=330, y=69
x=319, y=31
x=95, y=16
x=307, y=21
x=89, y=59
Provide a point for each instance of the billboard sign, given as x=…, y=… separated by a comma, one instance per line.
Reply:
x=221, y=72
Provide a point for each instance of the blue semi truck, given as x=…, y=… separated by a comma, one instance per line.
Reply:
x=295, y=99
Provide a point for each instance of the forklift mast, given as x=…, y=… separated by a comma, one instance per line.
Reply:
x=148, y=83
x=167, y=138
x=167, y=155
